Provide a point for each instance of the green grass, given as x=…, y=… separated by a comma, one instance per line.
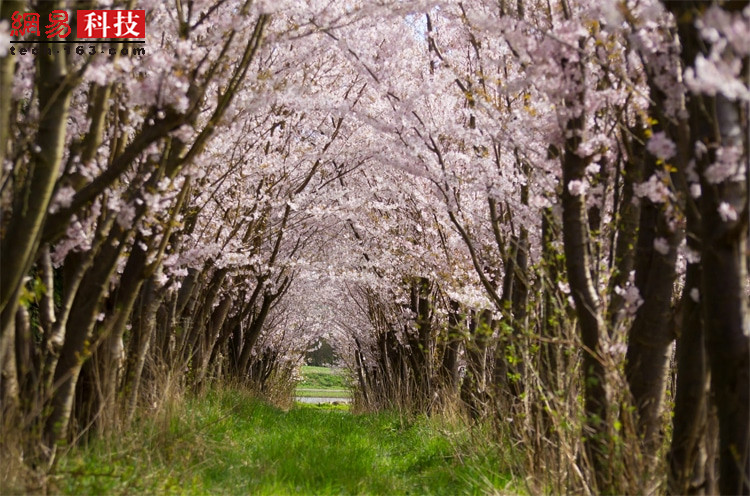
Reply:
x=323, y=378
x=323, y=393
x=230, y=443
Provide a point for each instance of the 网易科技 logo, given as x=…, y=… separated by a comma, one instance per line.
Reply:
x=97, y=24
x=121, y=26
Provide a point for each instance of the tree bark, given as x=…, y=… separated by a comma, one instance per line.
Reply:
x=101, y=372
x=78, y=333
x=449, y=363
x=687, y=455
x=20, y=242
x=576, y=239
x=474, y=387
x=7, y=69
x=626, y=230
x=253, y=333
x=213, y=330
x=716, y=121
x=138, y=345
x=650, y=335
x=725, y=315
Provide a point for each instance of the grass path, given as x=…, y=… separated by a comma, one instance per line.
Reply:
x=230, y=443
x=323, y=393
x=323, y=382
x=322, y=378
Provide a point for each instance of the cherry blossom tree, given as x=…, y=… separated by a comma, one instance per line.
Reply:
x=508, y=209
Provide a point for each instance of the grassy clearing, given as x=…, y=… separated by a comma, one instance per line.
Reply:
x=323, y=393
x=230, y=443
x=323, y=378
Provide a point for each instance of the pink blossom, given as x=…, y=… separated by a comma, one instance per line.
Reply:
x=692, y=256
x=727, y=212
x=695, y=190
x=63, y=198
x=695, y=294
x=4, y=37
x=616, y=350
x=577, y=187
x=718, y=25
x=661, y=245
x=98, y=73
x=661, y=147
x=632, y=297
x=716, y=75
x=654, y=189
x=184, y=133
x=126, y=215
x=727, y=165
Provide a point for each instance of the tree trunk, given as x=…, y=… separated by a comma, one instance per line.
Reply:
x=549, y=362
x=449, y=364
x=9, y=388
x=628, y=215
x=716, y=122
x=79, y=331
x=474, y=387
x=20, y=242
x=101, y=373
x=420, y=344
x=650, y=336
x=591, y=324
x=252, y=334
x=724, y=306
x=138, y=345
x=213, y=330
x=687, y=456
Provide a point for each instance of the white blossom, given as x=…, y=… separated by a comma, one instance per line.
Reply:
x=695, y=295
x=727, y=165
x=661, y=245
x=4, y=37
x=632, y=297
x=63, y=198
x=692, y=256
x=727, y=212
x=654, y=189
x=577, y=187
x=695, y=190
x=660, y=146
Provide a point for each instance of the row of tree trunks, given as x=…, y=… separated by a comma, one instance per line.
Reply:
x=79, y=332
x=652, y=332
x=414, y=373
x=448, y=371
x=420, y=343
x=64, y=332
x=142, y=330
x=716, y=122
x=475, y=386
x=21, y=240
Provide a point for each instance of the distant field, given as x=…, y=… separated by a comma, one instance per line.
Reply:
x=323, y=378
x=323, y=393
